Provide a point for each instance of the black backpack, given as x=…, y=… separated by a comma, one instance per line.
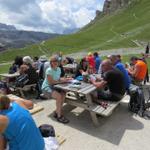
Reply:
x=137, y=100
x=47, y=130
x=22, y=80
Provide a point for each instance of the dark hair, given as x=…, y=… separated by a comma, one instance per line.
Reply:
x=18, y=60
x=134, y=58
x=95, y=54
x=4, y=102
x=36, y=58
x=47, y=130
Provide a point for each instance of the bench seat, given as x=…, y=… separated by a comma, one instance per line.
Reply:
x=96, y=108
x=25, y=88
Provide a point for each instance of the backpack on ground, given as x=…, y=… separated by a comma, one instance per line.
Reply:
x=137, y=100
x=47, y=130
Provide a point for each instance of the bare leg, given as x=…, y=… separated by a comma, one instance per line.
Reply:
x=28, y=103
x=2, y=143
x=59, y=102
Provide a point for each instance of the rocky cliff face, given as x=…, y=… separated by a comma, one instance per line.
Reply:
x=112, y=5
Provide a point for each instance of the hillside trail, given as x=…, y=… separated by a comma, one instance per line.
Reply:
x=121, y=51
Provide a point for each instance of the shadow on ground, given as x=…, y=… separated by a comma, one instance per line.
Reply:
x=110, y=129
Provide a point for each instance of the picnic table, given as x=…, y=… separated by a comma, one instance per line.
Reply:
x=80, y=95
x=7, y=75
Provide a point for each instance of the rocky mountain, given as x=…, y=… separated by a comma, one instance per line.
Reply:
x=5, y=27
x=111, y=6
x=10, y=37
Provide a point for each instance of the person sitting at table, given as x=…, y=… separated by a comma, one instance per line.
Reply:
x=116, y=61
x=31, y=72
x=113, y=79
x=16, y=65
x=138, y=70
x=17, y=128
x=52, y=77
x=81, y=68
x=69, y=60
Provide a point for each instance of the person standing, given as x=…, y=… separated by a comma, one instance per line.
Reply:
x=147, y=49
x=97, y=61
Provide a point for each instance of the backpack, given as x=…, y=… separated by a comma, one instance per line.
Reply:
x=137, y=100
x=22, y=80
x=47, y=130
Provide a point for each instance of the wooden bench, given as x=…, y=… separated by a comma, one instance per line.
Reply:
x=21, y=90
x=96, y=108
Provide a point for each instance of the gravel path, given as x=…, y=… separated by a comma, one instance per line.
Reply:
x=122, y=51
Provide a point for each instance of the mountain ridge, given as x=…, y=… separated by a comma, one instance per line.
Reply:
x=10, y=37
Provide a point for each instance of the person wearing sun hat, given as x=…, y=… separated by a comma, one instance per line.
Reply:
x=27, y=60
x=43, y=58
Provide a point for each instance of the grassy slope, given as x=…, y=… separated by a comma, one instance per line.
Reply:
x=115, y=31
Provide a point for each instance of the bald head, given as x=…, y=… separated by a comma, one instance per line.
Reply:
x=106, y=65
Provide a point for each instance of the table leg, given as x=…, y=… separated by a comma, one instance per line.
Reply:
x=93, y=114
x=94, y=118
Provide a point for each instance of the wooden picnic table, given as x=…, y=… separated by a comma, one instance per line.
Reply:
x=7, y=75
x=81, y=96
x=84, y=89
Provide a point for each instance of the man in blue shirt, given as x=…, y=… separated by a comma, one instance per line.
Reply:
x=117, y=63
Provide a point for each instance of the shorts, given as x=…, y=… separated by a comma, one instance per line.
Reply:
x=48, y=94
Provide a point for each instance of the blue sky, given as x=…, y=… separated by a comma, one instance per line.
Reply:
x=48, y=15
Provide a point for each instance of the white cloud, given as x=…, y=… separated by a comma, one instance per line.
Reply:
x=48, y=15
